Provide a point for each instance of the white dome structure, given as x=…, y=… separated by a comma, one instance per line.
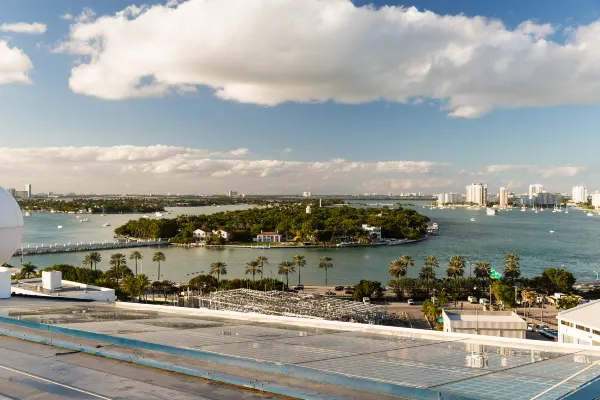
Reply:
x=11, y=225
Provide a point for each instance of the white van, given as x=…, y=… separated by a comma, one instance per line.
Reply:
x=472, y=299
x=483, y=300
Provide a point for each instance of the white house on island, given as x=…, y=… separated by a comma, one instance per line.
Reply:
x=268, y=237
x=373, y=231
x=201, y=234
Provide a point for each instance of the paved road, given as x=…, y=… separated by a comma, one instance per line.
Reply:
x=30, y=371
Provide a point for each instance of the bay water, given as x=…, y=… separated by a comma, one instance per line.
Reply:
x=573, y=245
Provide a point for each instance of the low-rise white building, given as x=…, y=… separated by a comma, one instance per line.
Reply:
x=51, y=284
x=491, y=323
x=596, y=199
x=268, y=237
x=373, y=231
x=580, y=325
x=201, y=234
x=223, y=233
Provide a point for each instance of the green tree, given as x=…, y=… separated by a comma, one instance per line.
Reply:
x=252, y=267
x=204, y=283
x=557, y=280
x=299, y=262
x=432, y=261
x=370, y=289
x=159, y=257
x=27, y=270
x=325, y=263
x=398, y=268
x=135, y=285
x=482, y=270
x=92, y=259
x=286, y=268
x=512, y=268
x=218, y=268
x=456, y=267
x=568, y=301
x=136, y=255
x=117, y=262
x=262, y=260
x=504, y=293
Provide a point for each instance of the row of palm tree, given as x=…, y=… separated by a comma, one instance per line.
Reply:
x=456, y=268
x=286, y=268
x=118, y=261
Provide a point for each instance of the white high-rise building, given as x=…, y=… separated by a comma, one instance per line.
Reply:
x=447, y=198
x=535, y=189
x=232, y=193
x=503, y=198
x=28, y=190
x=579, y=194
x=596, y=199
x=477, y=193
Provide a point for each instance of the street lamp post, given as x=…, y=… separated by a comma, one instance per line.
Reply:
x=596, y=272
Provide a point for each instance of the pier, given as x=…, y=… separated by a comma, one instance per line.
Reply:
x=88, y=246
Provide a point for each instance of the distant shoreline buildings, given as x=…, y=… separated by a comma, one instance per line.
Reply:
x=21, y=194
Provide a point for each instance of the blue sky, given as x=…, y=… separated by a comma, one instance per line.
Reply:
x=549, y=141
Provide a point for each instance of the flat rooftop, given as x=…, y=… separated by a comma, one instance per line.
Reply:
x=513, y=370
x=483, y=316
x=35, y=283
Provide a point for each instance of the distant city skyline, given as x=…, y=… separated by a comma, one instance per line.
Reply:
x=434, y=95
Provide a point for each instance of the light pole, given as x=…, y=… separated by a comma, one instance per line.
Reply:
x=596, y=272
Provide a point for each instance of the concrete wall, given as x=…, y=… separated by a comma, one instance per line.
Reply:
x=4, y=283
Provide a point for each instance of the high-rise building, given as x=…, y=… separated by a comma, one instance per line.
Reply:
x=232, y=193
x=535, y=189
x=12, y=191
x=579, y=194
x=503, y=198
x=28, y=190
x=477, y=194
x=447, y=198
x=21, y=194
x=596, y=199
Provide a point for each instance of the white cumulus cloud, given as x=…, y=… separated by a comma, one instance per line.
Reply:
x=15, y=65
x=35, y=28
x=273, y=51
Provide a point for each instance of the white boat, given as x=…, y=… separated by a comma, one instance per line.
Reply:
x=523, y=209
x=491, y=211
x=590, y=214
x=60, y=227
x=472, y=219
x=28, y=214
x=551, y=231
x=566, y=211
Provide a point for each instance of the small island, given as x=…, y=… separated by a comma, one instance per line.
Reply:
x=290, y=223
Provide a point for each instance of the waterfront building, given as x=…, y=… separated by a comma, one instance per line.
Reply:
x=28, y=190
x=579, y=194
x=201, y=234
x=268, y=237
x=596, y=199
x=491, y=323
x=503, y=198
x=547, y=199
x=580, y=325
x=22, y=194
x=535, y=189
x=477, y=193
x=223, y=233
x=374, y=232
x=232, y=193
x=12, y=191
x=448, y=198
x=306, y=194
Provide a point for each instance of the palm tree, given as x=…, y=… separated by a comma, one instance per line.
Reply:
x=135, y=255
x=299, y=262
x=407, y=260
x=28, y=269
x=397, y=268
x=326, y=263
x=286, y=268
x=482, y=270
x=92, y=259
x=262, y=260
x=218, y=268
x=159, y=257
x=456, y=267
x=512, y=269
x=427, y=274
x=432, y=261
x=252, y=267
x=117, y=261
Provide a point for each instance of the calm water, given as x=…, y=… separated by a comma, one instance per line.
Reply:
x=574, y=245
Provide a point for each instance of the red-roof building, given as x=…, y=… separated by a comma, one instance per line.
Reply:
x=268, y=237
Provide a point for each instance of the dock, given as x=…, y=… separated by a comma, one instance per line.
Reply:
x=88, y=246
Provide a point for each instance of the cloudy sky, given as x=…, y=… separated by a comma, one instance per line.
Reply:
x=332, y=96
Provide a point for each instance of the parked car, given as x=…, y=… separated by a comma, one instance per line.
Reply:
x=410, y=302
x=530, y=327
x=552, y=334
x=349, y=291
x=299, y=287
x=349, y=288
x=338, y=288
x=483, y=300
x=540, y=328
x=472, y=299
x=330, y=293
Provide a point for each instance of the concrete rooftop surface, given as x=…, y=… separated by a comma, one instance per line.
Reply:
x=338, y=356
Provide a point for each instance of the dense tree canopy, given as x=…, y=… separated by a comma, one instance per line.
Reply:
x=327, y=224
